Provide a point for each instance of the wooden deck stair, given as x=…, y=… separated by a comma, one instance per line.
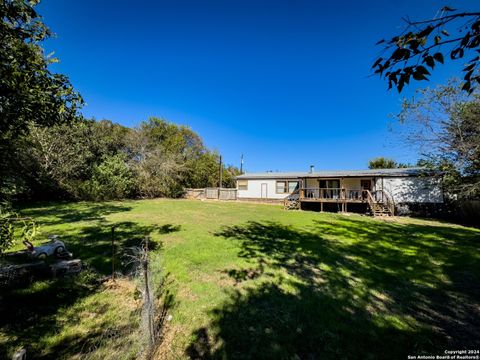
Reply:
x=381, y=210
x=380, y=203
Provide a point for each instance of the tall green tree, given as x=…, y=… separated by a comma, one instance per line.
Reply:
x=100, y=160
x=108, y=138
x=30, y=93
x=62, y=156
x=157, y=159
x=202, y=171
x=171, y=138
x=443, y=125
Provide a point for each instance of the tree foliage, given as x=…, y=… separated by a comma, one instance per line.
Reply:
x=29, y=91
x=100, y=160
x=30, y=94
x=443, y=124
x=385, y=163
x=422, y=45
x=230, y=173
x=10, y=222
x=62, y=155
x=111, y=179
x=158, y=170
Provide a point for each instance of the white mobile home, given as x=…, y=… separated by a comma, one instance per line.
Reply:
x=381, y=190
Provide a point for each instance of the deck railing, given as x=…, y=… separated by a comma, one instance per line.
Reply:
x=381, y=196
x=333, y=194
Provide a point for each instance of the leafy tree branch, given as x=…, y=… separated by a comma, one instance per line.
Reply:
x=424, y=44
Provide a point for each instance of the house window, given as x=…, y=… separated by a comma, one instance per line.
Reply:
x=292, y=186
x=330, y=184
x=330, y=189
x=242, y=184
x=281, y=187
x=284, y=187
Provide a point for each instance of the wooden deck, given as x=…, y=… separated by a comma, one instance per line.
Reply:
x=378, y=201
x=333, y=200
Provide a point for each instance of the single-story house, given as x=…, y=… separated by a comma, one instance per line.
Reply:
x=381, y=191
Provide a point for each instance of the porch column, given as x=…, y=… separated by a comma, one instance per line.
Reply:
x=342, y=191
x=302, y=189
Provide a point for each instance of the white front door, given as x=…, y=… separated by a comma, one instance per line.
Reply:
x=264, y=190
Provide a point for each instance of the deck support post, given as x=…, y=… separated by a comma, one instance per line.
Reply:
x=321, y=206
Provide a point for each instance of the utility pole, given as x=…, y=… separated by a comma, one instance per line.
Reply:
x=241, y=164
x=220, y=173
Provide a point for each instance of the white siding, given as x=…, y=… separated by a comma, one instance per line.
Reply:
x=402, y=189
x=412, y=189
x=254, y=190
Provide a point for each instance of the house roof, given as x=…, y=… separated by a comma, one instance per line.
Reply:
x=414, y=171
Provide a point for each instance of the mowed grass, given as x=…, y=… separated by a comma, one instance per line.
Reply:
x=253, y=281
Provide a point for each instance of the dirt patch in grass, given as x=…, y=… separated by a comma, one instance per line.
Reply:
x=123, y=289
x=169, y=346
x=185, y=293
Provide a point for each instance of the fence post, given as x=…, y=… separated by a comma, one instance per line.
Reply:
x=113, y=253
x=220, y=171
x=149, y=308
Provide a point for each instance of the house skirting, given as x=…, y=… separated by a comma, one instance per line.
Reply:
x=262, y=201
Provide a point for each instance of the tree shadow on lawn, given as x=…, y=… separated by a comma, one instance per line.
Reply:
x=350, y=289
x=93, y=244
x=62, y=213
x=28, y=315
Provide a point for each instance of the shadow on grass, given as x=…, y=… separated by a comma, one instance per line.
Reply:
x=27, y=315
x=92, y=241
x=93, y=244
x=350, y=289
x=62, y=213
x=244, y=274
x=31, y=317
x=114, y=339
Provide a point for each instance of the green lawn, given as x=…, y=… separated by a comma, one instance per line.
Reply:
x=254, y=281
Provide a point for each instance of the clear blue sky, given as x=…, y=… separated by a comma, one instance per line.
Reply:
x=286, y=83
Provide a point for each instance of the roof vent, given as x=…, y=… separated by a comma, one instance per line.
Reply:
x=312, y=169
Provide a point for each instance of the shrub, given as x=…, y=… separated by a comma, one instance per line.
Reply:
x=111, y=179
